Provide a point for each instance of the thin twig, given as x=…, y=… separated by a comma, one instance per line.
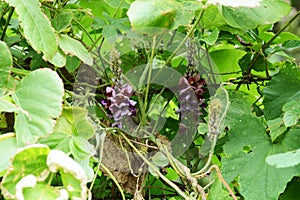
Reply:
x=219, y=174
x=154, y=168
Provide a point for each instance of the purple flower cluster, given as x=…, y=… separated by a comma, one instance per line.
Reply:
x=199, y=86
x=189, y=104
x=119, y=104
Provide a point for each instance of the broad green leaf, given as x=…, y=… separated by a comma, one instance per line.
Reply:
x=7, y=106
x=276, y=127
x=42, y=191
x=6, y=63
x=149, y=13
x=291, y=113
x=283, y=160
x=261, y=64
x=217, y=192
x=72, y=63
x=160, y=160
x=73, y=176
x=59, y=59
x=37, y=27
x=276, y=94
x=71, y=135
x=227, y=60
x=290, y=44
x=117, y=3
x=56, y=140
x=30, y=160
x=81, y=149
x=8, y=148
x=210, y=37
x=266, y=35
x=236, y=3
x=212, y=18
x=246, y=149
x=74, y=121
x=62, y=21
x=40, y=94
x=73, y=47
x=248, y=18
x=161, y=14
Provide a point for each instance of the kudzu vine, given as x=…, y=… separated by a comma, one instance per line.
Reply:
x=149, y=99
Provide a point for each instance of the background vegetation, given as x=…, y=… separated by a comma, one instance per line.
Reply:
x=149, y=99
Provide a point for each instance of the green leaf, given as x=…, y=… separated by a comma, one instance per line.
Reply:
x=291, y=113
x=236, y=3
x=6, y=63
x=80, y=148
x=30, y=160
x=261, y=64
x=210, y=37
x=212, y=18
x=62, y=21
x=7, y=106
x=160, y=160
x=117, y=3
x=8, y=148
x=73, y=47
x=276, y=94
x=217, y=192
x=71, y=134
x=161, y=14
x=72, y=64
x=283, y=160
x=276, y=127
x=249, y=18
x=74, y=121
x=291, y=44
x=227, y=60
x=59, y=59
x=41, y=191
x=245, y=151
x=40, y=94
x=73, y=176
x=37, y=27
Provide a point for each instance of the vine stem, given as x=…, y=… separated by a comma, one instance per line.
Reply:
x=11, y=12
x=219, y=174
x=211, y=153
x=265, y=46
x=114, y=179
x=186, y=37
x=118, y=9
x=155, y=169
x=149, y=72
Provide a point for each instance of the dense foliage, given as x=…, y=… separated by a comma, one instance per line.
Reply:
x=149, y=99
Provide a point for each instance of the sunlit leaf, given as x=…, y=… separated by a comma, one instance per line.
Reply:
x=37, y=27
x=276, y=93
x=73, y=176
x=40, y=94
x=236, y=3
x=246, y=150
x=73, y=47
x=8, y=148
x=30, y=160
x=161, y=14
x=5, y=64
x=248, y=18
x=284, y=160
